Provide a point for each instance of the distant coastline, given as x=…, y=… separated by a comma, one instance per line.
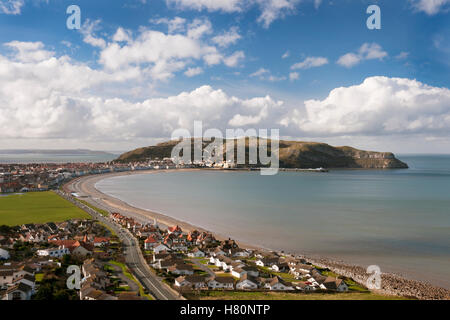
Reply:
x=392, y=284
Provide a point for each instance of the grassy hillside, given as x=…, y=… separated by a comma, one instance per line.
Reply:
x=37, y=207
x=292, y=154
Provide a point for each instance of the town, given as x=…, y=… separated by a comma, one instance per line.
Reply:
x=193, y=264
x=48, y=176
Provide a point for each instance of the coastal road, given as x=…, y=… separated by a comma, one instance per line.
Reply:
x=132, y=252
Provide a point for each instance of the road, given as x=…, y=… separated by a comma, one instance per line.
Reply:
x=132, y=252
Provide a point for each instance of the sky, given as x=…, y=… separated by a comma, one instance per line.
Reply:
x=137, y=70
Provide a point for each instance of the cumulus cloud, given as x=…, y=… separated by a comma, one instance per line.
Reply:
x=264, y=74
x=29, y=51
x=160, y=55
x=54, y=99
x=368, y=51
x=286, y=55
x=271, y=10
x=176, y=24
x=88, y=30
x=49, y=97
x=430, y=7
x=378, y=106
x=12, y=7
x=294, y=76
x=310, y=62
x=275, y=9
x=191, y=72
x=317, y=3
x=227, y=38
x=209, y=5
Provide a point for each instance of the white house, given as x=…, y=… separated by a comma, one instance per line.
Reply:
x=150, y=242
x=196, y=253
x=4, y=255
x=54, y=252
x=276, y=284
x=247, y=282
x=221, y=283
x=195, y=282
x=160, y=247
x=20, y=291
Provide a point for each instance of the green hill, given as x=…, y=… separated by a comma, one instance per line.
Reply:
x=292, y=154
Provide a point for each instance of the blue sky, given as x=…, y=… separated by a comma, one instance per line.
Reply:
x=240, y=63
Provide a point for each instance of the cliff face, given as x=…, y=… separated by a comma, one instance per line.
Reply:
x=295, y=154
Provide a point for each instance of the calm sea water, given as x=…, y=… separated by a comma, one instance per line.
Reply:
x=397, y=219
x=54, y=158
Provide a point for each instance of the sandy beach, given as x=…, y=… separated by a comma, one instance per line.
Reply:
x=392, y=284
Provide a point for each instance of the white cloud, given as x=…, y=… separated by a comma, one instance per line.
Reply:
x=198, y=28
x=260, y=72
x=159, y=56
x=294, y=76
x=264, y=74
x=234, y=59
x=227, y=38
x=317, y=3
x=191, y=72
x=122, y=35
x=12, y=7
x=88, y=29
x=402, y=55
x=271, y=10
x=176, y=24
x=286, y=55
x=29, y=51
x=368, y=51
x=275, y=9
x=210, y=5
x=430, y=7
x=58, y=99
x=310, y=62
x=378, y=106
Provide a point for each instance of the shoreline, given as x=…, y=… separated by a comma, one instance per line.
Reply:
x=392, y=284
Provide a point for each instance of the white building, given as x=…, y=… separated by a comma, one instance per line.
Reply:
x=54, y=252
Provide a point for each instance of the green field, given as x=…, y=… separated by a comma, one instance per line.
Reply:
x=236, y=295
x=37, y=207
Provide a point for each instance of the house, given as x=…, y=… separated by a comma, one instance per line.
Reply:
x=191, y=281
x=304, y=286
x=280, y=267
x=217, y=252
x=174, y=230
x=221, y=283
x=81, y=252
x=6, y=277
x=100, y=241
x=276, y=284
x=335, y=284
x=4, y=255
x=150, y=242
x=160, y=247
x=247, y=282
x=240, y=271
x=196, y=253
x=20, y=291
x=181, y=269
x=267, y=261
x=54, y=252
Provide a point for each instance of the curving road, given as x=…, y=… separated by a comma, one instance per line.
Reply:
x=132, y=252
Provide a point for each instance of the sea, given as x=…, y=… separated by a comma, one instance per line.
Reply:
x=398, y=219
x=36, y=157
